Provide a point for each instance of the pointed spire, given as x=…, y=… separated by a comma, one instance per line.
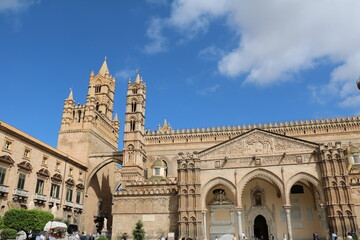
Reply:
x=104, y=68
x=138, y=78
x=165, y=123
x=70, y=95
x=116, y=118
x=92, y=74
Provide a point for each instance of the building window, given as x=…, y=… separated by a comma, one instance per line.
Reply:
x=39, y=186
x=133, y=107
x=78, y=197
x=134, y=91
x=71, y=171
x=27, y=153
x=7, y=145
x=21, y=181
x=55, y=189
x=69, y=193
x=157, y=171
x=97, y=89
x=145, y=173
x=44, y=160
x=57, y=166
x=2, y=175
x=132, y=125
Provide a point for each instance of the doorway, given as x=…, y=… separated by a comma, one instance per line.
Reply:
x=261, y=228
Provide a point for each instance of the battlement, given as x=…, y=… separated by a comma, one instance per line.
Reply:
x=290, y=128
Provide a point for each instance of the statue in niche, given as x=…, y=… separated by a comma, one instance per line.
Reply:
x=258, y=198
x=220, y=197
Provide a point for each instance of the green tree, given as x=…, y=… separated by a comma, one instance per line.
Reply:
x=1, y=222
x=8, y=233
x=139, y=232
x=27, y=220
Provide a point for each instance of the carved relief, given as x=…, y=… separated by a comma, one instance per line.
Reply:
x=258, y=143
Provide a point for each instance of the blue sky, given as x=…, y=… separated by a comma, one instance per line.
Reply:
x=206, y=63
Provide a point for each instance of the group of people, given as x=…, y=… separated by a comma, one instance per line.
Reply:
x=350, y=236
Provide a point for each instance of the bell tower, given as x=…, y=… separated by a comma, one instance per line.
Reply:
x=90, y=128
x=134, y=148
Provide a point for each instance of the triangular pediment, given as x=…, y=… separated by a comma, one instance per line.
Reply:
x=258, y=142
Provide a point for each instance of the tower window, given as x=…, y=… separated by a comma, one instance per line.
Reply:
x=134, y=91
x=132, y=125
x=97, y=89
x=133, y=107
x=79, y=116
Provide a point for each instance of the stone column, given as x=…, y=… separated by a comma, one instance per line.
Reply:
x=204, y=225
x=239, y=222
x=288, y=221
x=325, y=221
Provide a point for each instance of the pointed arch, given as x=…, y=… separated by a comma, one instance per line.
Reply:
x=217, y=181
x=262, y=174
x=307, y=177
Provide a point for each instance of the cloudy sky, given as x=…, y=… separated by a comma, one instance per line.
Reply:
x=206, y=62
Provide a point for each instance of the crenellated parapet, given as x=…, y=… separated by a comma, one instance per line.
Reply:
x=293, y=128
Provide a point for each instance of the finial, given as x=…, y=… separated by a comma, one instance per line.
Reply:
x=165, y=123
x=70, y=95
x=105, y=58
x=138, y=78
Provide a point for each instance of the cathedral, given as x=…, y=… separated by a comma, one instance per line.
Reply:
x=266, y=181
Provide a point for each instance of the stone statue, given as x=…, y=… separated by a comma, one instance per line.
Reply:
x=105, y=224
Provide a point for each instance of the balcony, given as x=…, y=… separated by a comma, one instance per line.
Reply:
x=54, y=200
x=68, y=204
x=40, y=197
x=21, y=193
x=4, y=190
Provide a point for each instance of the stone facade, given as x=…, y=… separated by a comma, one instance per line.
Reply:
x=264, y=180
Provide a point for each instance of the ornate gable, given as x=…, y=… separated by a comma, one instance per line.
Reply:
x=258, y=143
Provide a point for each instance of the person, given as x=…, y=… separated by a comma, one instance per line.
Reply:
x=284, y=236
x=83, y=236
x=333, y=236
x=272, y=237
x=162, y=238
x=315, y=236
x=41, y=237
x=216, y=238
x=234, y=238
x=349, y=237
x=243, y=236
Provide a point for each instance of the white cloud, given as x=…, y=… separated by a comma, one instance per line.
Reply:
x=208, y=90
x=15, y=5
x=158, y=41
x=211, y=53
x=277, y=38
x=125, y=74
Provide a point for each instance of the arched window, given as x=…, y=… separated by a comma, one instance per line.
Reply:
x=97, y=89
x=79, y=116
x=133, y=107
x=132, y=125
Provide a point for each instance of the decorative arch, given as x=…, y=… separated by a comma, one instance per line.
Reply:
x=266, y=213
x=70, y=182
x=262, y=174
x=303, y=176
x=217, y=181
x=43, y=172
x=57, y=177
x=100, y=166
x=25, y=165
